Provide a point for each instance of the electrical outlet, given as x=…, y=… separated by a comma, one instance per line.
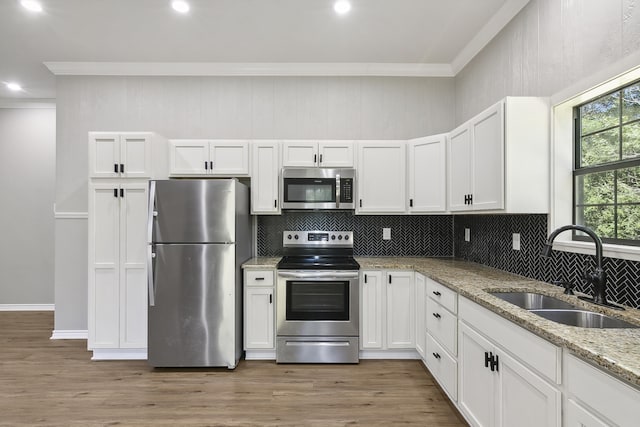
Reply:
x=386, y=234
x=516, y=241
x=467, y=234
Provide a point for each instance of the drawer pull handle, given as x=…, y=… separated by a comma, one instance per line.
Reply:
x=436, y=293
x=259, y=278
x=436, y=355
x=436, y=315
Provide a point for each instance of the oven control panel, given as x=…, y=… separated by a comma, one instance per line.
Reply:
x=317, y=238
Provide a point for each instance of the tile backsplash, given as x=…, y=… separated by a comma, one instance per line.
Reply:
x=443, y=236
x=410, y=235
x=491, y=244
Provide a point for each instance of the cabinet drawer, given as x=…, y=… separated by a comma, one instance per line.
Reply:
x=442, y=366
x=442, y=325
x=443, y=295
x=529, y=348
x=259, y=278
x=601, y=392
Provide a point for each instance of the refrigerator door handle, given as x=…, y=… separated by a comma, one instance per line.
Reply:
x=151, y=212
x=150, y=273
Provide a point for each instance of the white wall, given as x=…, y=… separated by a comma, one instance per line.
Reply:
x=221, y=107
x=546, y=48
x=27, y=173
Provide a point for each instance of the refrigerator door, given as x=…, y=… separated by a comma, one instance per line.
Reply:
x=194, y=211
x=193, y=321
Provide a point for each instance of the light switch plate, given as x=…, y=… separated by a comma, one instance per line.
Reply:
x=386, y=234
x=467, y=234
x=516, y=241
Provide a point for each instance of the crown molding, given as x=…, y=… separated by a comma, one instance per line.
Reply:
x=27, y=103
x=248, y=69
x=497, y=22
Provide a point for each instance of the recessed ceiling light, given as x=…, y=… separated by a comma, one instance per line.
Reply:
x=180, y=6
x=14, y=87
x=32, y=5
x=342, y=7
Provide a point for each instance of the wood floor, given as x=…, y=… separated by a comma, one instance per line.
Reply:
x=45, y=382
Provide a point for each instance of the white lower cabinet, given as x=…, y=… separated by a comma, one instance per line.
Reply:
x=442, y=336
x=595, y=398
x=259, y=310
x=496, y=388
x=387, y=310
x=117, y=279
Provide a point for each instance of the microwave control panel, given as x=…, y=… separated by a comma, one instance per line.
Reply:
x=346, y=190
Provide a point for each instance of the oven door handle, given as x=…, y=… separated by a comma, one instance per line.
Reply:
x=319, y=274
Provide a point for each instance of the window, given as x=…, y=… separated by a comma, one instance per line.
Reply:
x=607, y=166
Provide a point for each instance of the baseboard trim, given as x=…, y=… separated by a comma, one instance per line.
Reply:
x=260, y=355
x=390, y=354
x=70, y=334
x=119, y=354
x=27, y=307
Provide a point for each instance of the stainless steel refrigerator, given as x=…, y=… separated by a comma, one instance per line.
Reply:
x=199, y=235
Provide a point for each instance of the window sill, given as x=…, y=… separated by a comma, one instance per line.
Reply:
x=631, y=253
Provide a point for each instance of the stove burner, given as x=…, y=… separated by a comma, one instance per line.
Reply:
x=314, y=262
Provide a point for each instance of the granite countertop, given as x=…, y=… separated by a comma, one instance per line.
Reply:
x=616, y=350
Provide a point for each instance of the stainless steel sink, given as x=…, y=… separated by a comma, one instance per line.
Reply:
x=532, y=301
x=560, y=311
x=583, y=318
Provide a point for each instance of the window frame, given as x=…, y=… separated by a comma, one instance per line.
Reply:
x=608, y=79
x=611, y=166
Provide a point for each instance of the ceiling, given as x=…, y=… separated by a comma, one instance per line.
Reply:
x=241, y=37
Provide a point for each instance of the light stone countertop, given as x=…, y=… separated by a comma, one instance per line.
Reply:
x=615, y=350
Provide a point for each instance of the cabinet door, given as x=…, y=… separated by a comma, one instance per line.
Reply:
x=104, y=215
x=427, y=177
x=488, y=159
x=335, y=154
x=300, y=153
x=476, y=391
x=259, y=315
x=133, y=268
x=400, y=310
x=188, y=157
x=525, y=399
x=135, y=155
x=381, y=177
x=459, y=161
x=229, y=158
x=420, y=301
x=265, y=174
x=372, y=310
x=104, y=154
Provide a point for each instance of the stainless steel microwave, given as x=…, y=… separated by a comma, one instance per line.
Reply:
x=318, y=188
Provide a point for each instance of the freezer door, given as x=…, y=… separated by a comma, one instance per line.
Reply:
x=194, y=211
x=193, y=321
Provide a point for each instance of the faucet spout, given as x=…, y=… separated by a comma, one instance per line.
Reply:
x=598, y=278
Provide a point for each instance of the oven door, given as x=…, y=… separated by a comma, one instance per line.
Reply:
x=317, y=303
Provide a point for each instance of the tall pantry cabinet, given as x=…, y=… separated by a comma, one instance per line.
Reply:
x=119, y=170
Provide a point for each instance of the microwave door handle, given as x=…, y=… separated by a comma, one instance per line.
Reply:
x=338, y=190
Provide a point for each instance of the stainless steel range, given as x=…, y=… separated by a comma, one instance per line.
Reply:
x=317, y=298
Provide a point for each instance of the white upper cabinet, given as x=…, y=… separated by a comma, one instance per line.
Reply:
x=120, y=155
x=197, y=157
x=326, y=154
x=265, y=177
x=498, y=160
x=427, y=178
x=381, y=177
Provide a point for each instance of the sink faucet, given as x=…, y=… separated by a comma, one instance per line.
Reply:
x=598, y=278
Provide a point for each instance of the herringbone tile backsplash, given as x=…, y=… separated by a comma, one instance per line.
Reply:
x=443, y=236
x=410, y=235
x=491, y=244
